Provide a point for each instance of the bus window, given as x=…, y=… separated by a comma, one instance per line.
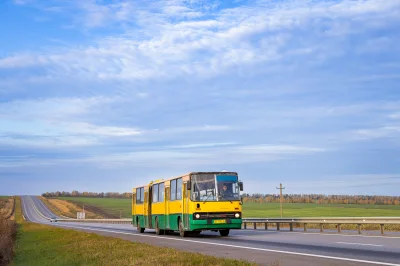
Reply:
x=155, y=193
x=139, y=195
x=173, y=189
x=161, y=192
x=179, y=189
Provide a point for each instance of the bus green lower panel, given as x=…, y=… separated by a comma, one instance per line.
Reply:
x=193, y=224
x=213, y=225
x=138, y=218
x=161, y=220
x=173, y=221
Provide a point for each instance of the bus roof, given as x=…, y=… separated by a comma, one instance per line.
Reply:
x=187, y=174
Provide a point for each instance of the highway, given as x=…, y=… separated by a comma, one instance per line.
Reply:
x=261, y=247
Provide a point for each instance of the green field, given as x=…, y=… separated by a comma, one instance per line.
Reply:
x=265, y=209
x=318, y=210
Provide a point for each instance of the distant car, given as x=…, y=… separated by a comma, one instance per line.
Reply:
x=53, y=219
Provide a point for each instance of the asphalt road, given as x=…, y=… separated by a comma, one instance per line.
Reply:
x=262, y=247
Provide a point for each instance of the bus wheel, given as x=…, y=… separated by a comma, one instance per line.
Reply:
x=182, y=232
x=140, y=229
x=158, y=230
x=224, y=232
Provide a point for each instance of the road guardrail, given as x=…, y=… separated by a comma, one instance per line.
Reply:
x=110, y=221
x=338, y=221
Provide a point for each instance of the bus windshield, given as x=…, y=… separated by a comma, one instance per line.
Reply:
x=215, y=187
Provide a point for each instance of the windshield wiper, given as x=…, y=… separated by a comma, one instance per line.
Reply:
x=207, y=197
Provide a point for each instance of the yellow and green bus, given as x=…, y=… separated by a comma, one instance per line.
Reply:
x=191, y=203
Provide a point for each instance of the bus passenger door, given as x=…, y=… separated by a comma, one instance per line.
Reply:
x=149, y=210
x=185, y=207
x=167, y=198
x=133, y=208
x=146, y=208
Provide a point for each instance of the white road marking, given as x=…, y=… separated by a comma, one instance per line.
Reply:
x=361, y=244
x=37, y=210
x=234, y=246
x=322, y=234
x=25, y=209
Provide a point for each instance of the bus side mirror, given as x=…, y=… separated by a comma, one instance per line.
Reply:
x=188, y=185
x=241, y=186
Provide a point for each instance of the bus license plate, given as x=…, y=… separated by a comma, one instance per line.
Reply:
x=219, y=221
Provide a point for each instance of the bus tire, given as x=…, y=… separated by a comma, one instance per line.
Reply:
x=140, y=229
x=158, y=230
x=224, y=232
x=182, y=232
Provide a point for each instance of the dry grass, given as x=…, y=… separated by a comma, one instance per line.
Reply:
x=7, y=207
x=68, y=209
x=8, y=233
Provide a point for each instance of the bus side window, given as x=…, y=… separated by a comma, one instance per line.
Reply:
x=179, y=189
x=173, y=190
x=155, y=193
x=161, y=192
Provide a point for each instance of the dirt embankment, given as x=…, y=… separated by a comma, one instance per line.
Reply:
x=70, y=208
x=98, y=211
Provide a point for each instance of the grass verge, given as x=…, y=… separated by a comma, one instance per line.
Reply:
x=46, y=245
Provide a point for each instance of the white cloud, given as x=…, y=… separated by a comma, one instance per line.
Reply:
x=335, y=182
x=375, y=133
x=278, y=149
x=232, y=37
x=394, y=116
x=210, y=156
x=49, y=109
x=202, y=145
x=93, y=130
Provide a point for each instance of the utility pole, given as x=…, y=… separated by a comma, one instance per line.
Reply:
x=280, y=188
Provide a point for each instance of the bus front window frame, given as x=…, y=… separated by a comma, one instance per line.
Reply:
x=208, y=187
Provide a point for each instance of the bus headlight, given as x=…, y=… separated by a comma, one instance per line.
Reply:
x=237, y=215
x=197, y=216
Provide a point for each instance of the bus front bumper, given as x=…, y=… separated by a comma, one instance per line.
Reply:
x=216, y=224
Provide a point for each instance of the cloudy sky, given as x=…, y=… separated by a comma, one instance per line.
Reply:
x=106, y=95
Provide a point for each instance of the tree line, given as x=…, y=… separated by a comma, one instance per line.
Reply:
x=85, y=194
x=322, y=199
x=258, y=198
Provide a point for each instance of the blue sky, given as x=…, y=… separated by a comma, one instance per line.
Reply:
x=107, y=95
